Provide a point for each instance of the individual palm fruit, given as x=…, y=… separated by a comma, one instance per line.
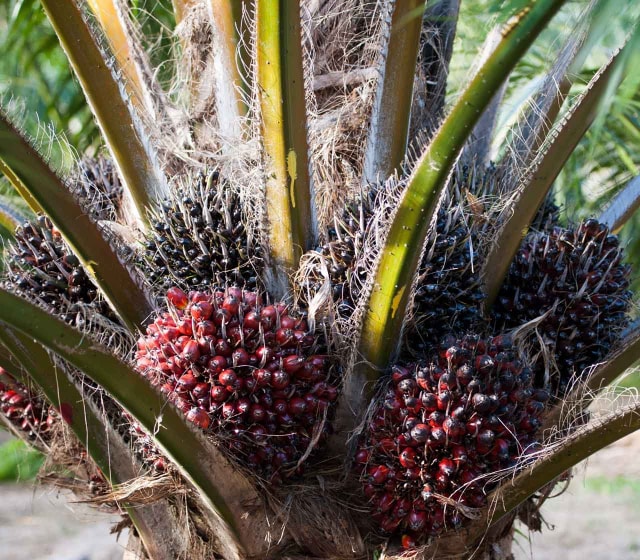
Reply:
x=201, y=240
x=577, y=277
x=26, y=412
x=42, y=266
x=245, y=371
x=442, y=427
x=448, y=290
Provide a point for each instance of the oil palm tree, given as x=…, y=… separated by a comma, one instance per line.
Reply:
x=356, y=336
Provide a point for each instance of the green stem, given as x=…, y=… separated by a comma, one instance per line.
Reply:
x=401, y=254
x=389, y=128
x=280, y=77
x=143, y=180
x=228, y=30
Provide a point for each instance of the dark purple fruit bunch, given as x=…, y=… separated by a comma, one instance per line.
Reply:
x=200, y=240
x=42, y=266
x=244, y=371
x=26, y=412
x=576, y=275
x=440, y=428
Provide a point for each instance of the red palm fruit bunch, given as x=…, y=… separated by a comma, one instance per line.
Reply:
x=244, y=371
x=577, y=276
x=26, y=412
x=442, y=425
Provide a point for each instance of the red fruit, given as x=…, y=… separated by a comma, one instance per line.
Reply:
x=17, y=399
x=280, y=380
x=217, y=364
x=262, y=377
x=219, y=394
x=370, y=490
x=185, y=327
x=177, y=298
x=407, y=458
x=437, y=438
x=361, y=457
x=459, y=454
x=402, y=508
x=420, y=433
x=378, y=474
x=264, y=354
x=223, y=348
x=500, y=449
x=201, y=390
x=251, y=320
x=293, y=364
x=387, y=445
x=199, y=417
x=228, y=378
x=228, y=410
x=187, y=382
x=201, y=310
x=285, y=338
x=398, y=373
x=455, y=429
x=288, y=322
x=384, y=503
x=240, y=357
x=221, y=317
x=416, y=521
x=231, y=303
x=408, y=541
x=447, y=466
x=268, y=317
x=205, y=328
x=191, y=351
x=280, y=406
x=427, y=492
x=243, y=406
x=297, y=406
x=390, y=524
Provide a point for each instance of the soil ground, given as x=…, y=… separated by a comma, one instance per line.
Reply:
x=598, y=518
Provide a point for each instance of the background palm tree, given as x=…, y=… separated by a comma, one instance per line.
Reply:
x=213, y=155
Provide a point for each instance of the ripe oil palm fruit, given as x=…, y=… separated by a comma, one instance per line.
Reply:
x=345, y=306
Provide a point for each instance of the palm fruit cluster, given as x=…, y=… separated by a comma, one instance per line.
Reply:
x=448, y=291
x=577, y=276
x=441, y=427
x=42, y=266
x=244, y=371
x=27, y=413
x=200, y=240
